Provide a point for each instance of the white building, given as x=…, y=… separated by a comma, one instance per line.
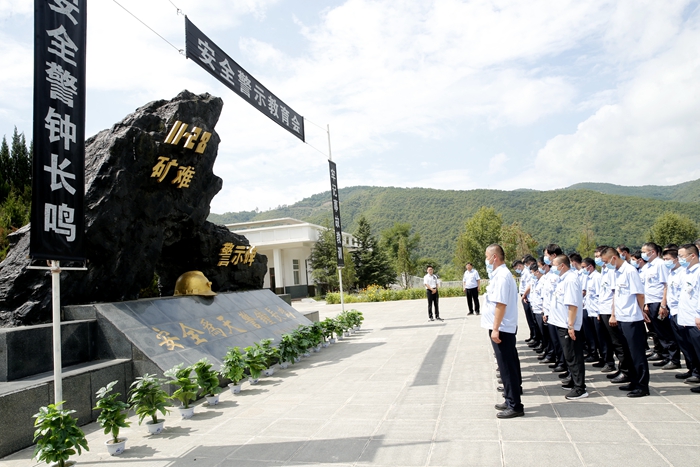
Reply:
x=287, y=243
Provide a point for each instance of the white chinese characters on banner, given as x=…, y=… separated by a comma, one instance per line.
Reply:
x=60, y=220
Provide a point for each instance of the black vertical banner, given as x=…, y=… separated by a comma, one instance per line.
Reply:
x=336, y=214
x=58, y=177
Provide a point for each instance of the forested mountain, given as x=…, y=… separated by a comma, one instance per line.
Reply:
x=688, y=192
x=439, y=215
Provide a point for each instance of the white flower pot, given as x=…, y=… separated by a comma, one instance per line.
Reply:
x=186, y=413
x=357, y=328
x=235, y=388
x=317, y=348
x=253, y=380
x=333, y=340
x=114, y=449
x=155, y=428
x=325, y=344
x=284, y=365
x=212, y=400
x=269, y=372
x=297, y=359
x=306, y=354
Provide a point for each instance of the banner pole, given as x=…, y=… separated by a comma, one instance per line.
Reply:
x=56, y=302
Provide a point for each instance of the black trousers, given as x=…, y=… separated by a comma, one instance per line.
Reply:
x=573, y=353
x=590, y=335
x=619, y=343
x=690, y=335
x=432, y=298
x=683, y=346
x=473, y=300
x=531, y=323
x=558, y=353
x=605, y=343
x=636, y=335
x=509, y=366
x=544, y=332
x=664, y=333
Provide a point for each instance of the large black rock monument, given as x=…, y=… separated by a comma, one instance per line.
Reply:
x=148, y=184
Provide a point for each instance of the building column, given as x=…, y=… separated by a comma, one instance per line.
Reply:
x=279, y=268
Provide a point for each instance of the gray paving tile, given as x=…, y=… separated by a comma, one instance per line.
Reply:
x=331, y=450
x=395, y=453
x=653, y=413
x=464, y=453
x=602, y=455
x=529, y=454
x=671, y=432
x=679, y=456
x=601, y=431
x=406, y=430
x=520, y=429
x=460, y=429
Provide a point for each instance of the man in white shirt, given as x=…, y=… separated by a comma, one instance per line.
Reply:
x=689, y=304
x=470, y=284
x=670, y=305
x=567, y=315
x=606, y=357
x=500, y=317
x=430, y=281
x=551, y=251
x=627, y=314
x=655, y=280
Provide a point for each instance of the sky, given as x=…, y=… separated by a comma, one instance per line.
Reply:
x=443, y=94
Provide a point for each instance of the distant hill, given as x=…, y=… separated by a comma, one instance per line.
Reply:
x=688, y=192
x=439, y=215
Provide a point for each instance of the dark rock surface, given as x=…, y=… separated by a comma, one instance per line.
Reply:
x=135, y=225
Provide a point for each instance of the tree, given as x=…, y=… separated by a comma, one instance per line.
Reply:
x=673, y=228
x=480, y=231
x=516, y=242
x=586, y=245
x=21, y=162
x=324, y=262
x=402, y=248
x=5, y=170
x=371, y=263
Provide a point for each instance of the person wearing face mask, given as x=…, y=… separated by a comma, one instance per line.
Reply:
x=567, y=316
x=542, y=288
x=606, y=357
x=655, y=280
x=688, y=307
x=500, y=318
x=624, y=252
x=636, y=260
x=628, y=315
x=551, y=251
x=605, y=305
x=670, y=304
x=534, y=340
x=589, y=348
x=655, y=353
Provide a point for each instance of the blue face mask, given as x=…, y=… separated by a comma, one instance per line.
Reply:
x=547, y=261
x=623, y=256
x=556, y=271
x=489, y=267
x=683, y=262
x=645, y=257
x=518, y=271
x=636, y=264
x=541, y=270
x=599, y=262
x=585, y=272
x=669, y=263
x=609, y=265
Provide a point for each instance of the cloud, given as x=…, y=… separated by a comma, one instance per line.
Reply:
x=497, y=162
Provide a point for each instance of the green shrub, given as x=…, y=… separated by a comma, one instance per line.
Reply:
x=375, y=293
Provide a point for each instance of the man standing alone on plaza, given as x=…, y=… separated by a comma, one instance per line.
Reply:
x=470, y=284
x=430, y=281
x=500, y=317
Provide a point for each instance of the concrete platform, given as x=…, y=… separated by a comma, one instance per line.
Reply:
x=408, y=392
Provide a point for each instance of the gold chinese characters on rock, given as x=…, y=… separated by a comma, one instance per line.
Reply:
x=231, y=254
x=195, y=139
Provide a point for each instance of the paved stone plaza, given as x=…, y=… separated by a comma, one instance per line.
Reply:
x=408, y=392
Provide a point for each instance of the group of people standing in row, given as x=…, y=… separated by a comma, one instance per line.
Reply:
x=577, y=315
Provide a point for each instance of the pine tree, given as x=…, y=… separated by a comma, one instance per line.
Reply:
x=371, y=262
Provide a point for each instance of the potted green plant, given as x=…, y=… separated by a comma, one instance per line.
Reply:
x=344, y=324
x=57, y=435
x=316, y=335
x=271, y=355
x=233, y=368
x=112, y=418
x=356, y=318
x=208, y=381
x=255, y=361
x=181, y=376
x=330, y=326
x=147, y=397
x=289, y=350
x=304, y=340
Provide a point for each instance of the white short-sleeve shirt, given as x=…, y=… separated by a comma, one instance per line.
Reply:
x=655, y=278
x=535, y=296
x=430, y=280
x=567, y=292
x=673, y=293
x=470, y=278
x=501, y=289
x=605, y=291
x=591, y=298
x=525, y=277
x=627, y=285
x=689, y=301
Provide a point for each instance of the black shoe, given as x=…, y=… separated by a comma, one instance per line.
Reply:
x=565, y=375
x=655, y=357
x=638, y=393
x=661, y=362
x=431, y=319
x=685, y=375
x=621, y=378
x=626, y=387
x=568, y=385
x=500, y=388
x=533, y=344
x=576, y=394
x=671, y=366
x=590, y=359
x=528, y=340
x=499, y=381
x=541, y=357
x=439, y=319
x=477, y=313
x=510, y=413
x=501, y=406
x=692, y=380
x=539, y=350
x=614, y=375
x=470, y=313
x=598, y=364
x=498, y=374
x=548, y=360
x=553, y=365
x=608, y=369
x=558, y=369
x=696, y=389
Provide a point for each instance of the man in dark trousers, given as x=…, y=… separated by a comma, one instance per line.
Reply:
x=430, y=281
x=470, y=284
x=500, y=317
